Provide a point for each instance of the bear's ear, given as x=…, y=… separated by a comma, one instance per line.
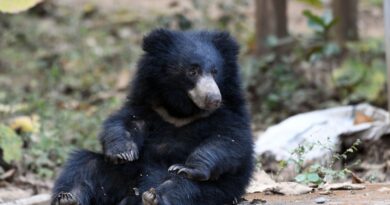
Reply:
x=158, y=40
x=226, y=44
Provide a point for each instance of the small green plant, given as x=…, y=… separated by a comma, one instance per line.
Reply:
x=311, y=176
x=314, y=3
x=10, y=145
x=318, y=173
x=320, y=24
x=320, y=46
x=377, y=3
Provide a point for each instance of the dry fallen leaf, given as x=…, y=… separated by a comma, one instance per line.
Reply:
x=123, y=79
x=342, y=186
x=326, y=192
x=360, y=118
x=263, y=183
x=356, y=179
x=26, y=124
x=384, y=189
x=12, y=108
x=15, y=6
x=289, y=188
x=8, y=174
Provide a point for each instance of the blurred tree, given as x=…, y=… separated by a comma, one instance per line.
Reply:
x=280, y=12
x=271, y=20
x=346, y=13
x=263, y=26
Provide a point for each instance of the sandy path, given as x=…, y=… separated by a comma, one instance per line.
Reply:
x=372, y=195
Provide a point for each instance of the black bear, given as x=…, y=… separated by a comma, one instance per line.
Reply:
x=183, y=136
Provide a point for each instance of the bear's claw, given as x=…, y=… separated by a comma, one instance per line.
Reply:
x=189, y=172
x=65, y=198
x=130, y=154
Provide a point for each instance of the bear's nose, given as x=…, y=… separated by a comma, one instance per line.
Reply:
x=212, y=101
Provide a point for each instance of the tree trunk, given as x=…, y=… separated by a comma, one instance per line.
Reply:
x=280, y=12
x=271, y=20
x=346, y=12
x=263, y=26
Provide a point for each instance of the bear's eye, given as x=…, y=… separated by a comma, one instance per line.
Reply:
x=194, y=71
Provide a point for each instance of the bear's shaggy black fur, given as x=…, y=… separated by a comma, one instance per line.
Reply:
x=183, y=136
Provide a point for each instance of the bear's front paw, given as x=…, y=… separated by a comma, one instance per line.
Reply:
x=123, y=152
x=64, y=198
x=189, y=172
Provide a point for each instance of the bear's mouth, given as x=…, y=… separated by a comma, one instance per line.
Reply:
x=206, y=94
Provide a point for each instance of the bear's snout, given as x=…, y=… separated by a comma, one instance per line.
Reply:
x=212, y=101
x=206, y=94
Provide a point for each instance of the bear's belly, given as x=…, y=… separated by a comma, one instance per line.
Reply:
x=168, y=148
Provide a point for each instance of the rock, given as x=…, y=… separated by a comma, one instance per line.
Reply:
x=253, y=202
x=321, y=200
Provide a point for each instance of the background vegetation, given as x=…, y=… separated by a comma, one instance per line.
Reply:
x=65, y=66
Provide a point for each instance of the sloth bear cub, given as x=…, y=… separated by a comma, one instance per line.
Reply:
x=182, y=137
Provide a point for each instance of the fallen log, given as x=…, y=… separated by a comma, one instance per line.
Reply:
x=34, y=200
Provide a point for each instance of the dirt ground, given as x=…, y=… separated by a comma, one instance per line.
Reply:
x=373, y=194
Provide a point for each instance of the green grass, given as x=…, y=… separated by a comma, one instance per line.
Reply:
x=60, y=68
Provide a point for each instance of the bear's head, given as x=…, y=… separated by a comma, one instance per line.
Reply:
x=187, y=73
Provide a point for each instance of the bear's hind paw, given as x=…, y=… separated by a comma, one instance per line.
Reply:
x=64, y=198
x=149, y=197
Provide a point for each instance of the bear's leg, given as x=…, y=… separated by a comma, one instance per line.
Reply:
x=183, y=191
x=88, y=179
x=74, y=185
